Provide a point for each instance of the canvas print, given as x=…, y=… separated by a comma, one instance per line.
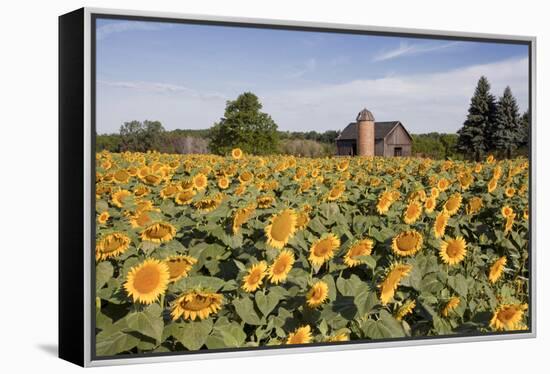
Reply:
x=262, y=187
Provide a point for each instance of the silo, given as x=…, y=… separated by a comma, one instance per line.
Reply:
x=365, y=133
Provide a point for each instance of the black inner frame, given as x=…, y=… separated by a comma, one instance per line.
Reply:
x=328, y=29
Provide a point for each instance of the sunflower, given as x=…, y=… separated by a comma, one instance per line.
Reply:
x=185, y=197
x=187, y=184
x=223, y=183
x=453, y=251
x=430, y=204
x=474, y=205
x=510, y=192
x=496, y=270
x=405, y=309
x=389, y=285
x=241, y=216
x=265, y=201
x=103, y=218
x=443, y=184
x=509, y=223
x=339, y=337
x=385, y=200
x=152, y=179
x=140, y=219
x=169, y=191
x=200, y=181
x=301, y=335
x=278, y=271
x=451, y=305
x=141, y=191
x=119, y=198
x=360, y=248
x=111, y=245
x=440, y=224
x=407, y=243
x=302, y=220
x=323, y=249
x=317, y=295
x=236, y=153
x=147, y=281
x=240, y=190
x=246, y=177
x=507, y=211
x=412, y=213
x=121, y=176
x=209, y=204
x=281, y=228
x=452, y=205
x=508, y=317
x=253, y=280
x=492, y=185
x=145, y=206
x=195, y=304
x=158, y=232
x=179, y=266
x=336, y=192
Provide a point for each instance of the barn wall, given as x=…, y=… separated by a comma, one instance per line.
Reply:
x=379, y=148
x=345, y=147
x=398, y=138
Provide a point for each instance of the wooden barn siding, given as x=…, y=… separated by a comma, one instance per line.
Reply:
x=398, y=138
x=379, y=148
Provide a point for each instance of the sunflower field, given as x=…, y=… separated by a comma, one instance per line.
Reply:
x=203, y=252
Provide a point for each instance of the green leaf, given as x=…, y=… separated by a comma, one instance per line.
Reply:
x=266, y=303
x=199, y=282
x=385, y=327
x=193, y=334
x=245, y=310
x=459, y=284
x=148, y=322
x=113, y=340
x=233, y=335
x=103, y=272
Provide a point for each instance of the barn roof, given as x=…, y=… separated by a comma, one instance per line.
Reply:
x=381, y=130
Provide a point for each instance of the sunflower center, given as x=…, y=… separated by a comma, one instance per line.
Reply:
x=177, y=268
x=407, y=242
x=281, y=227
x=453, y=248
x=279, y=267
x=112, y=244
x=158, y=231
x=507, y=315
x=358, y=250
x=323, y=248
x=198, y=302
x=147, y=279
x=143, y=219
x=254, y=277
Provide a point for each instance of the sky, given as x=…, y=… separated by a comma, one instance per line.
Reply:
x=183, y=74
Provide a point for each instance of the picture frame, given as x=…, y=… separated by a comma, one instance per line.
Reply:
x=78, y=97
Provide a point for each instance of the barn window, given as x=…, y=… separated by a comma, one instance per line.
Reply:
x=397, y=151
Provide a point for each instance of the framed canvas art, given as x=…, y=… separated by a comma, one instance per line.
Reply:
x=234, y=187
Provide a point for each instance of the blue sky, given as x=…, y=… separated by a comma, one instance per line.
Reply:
x=182, y=75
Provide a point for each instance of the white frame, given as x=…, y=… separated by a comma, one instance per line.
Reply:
x=88, y=362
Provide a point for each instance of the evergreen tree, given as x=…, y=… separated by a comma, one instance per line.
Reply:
x=473, y=139
x=524, y=129
x=246, y=127
x=506, y=135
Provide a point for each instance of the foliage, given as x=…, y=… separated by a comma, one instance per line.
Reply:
x=141, y=136
x=244, y=126
x=306, y=148
x=352, y=198
x=435, y=145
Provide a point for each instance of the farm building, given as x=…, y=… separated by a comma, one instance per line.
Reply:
x=365, y=137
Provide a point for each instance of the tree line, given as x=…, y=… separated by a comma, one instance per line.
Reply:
x=493, y=126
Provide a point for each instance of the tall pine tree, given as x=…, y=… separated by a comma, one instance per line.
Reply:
x=473, y=139
x=524, y=129
x=506, y=134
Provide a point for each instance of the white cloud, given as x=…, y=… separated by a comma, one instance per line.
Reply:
x=408, y=49
x=423, y=102
x=104, y=31
x=307, y=67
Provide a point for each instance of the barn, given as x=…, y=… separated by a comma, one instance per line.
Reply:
x=366, y=137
